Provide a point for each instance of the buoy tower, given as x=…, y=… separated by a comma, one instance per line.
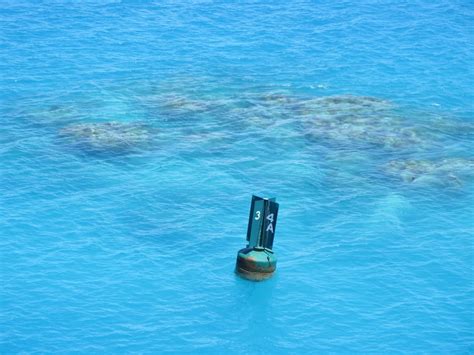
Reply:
x=257, y=261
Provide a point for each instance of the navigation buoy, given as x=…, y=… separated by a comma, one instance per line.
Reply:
x=257, y=261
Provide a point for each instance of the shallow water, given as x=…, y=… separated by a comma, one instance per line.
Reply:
x=356, y=116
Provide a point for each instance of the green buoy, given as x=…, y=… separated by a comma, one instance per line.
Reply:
x=257, y=260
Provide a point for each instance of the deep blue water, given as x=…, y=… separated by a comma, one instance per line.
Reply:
x=111, y=247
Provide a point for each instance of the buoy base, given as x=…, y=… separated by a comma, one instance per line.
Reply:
x=255, y=264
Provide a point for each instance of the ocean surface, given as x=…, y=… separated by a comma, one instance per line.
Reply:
x=134, y=133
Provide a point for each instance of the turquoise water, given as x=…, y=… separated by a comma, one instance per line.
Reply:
x=121, y=237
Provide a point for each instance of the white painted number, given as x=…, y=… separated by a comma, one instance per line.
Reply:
x=257, y=215
x=270, y=225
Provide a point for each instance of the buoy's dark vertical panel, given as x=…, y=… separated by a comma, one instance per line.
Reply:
x=257, y=211
x=249, y=226
x=262, y=222
x=269, y=223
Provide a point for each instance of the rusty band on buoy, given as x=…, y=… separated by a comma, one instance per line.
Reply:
x=255, y=263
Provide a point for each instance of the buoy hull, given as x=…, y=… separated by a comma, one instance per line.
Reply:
x=255, y=264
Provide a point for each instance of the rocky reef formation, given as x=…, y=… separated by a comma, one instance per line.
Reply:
x=366, y=132
x=183, y=104
x=107, y=136
x=358, y=120
x=49, y=115
x=344, y=104
x=444, y=172
x=175, y=104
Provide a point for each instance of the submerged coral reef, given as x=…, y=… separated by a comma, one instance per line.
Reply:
x=359, y=126
x=359, y=120
x=448, y=172
x=107, y=136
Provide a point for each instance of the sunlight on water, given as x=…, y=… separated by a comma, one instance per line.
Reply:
x=135, y=134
